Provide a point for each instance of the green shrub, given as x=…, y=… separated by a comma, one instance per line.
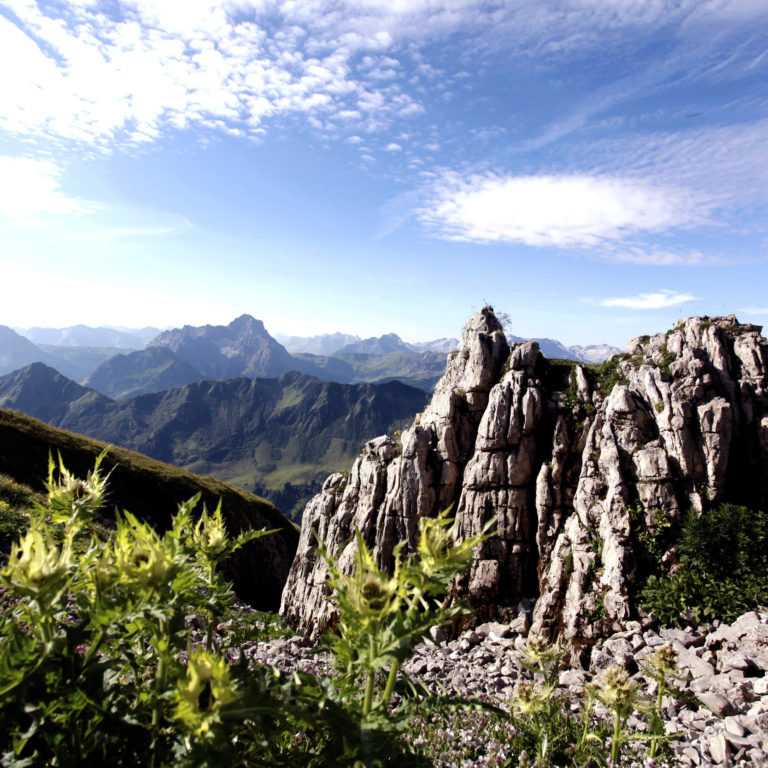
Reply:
x=608, y=374
x=723, y=567
x=16, y=501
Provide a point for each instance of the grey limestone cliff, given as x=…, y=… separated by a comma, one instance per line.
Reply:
x=568, y=460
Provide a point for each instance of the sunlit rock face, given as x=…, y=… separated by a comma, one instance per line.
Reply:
x=563, y=459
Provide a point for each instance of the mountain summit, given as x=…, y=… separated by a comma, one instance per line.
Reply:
x=242, y=348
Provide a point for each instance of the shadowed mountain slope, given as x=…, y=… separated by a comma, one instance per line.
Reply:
x=153, y=490
x=149, y=370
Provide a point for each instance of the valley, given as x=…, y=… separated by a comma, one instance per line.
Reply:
x=278, y=437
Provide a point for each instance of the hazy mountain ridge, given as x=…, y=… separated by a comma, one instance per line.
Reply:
x=17, y=351
x=594, y=353
x=322, y=344
x=87, y=336
x=326, y=344
x=266, y=432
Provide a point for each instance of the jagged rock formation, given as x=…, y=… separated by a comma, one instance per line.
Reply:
x=569, y=461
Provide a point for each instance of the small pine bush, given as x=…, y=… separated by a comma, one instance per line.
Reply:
x=722, y=571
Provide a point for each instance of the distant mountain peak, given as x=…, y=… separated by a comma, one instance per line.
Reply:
x=378, y=345
x=242, y=348
x=247, y=323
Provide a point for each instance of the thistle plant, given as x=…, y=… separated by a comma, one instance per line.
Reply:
x=542, y=659
x=382, y=616
x=91, y=648
x=619, y=693
x=73, y=502
x=39, y=569
x=211, y=544
x=206, y=689
x=661, y=665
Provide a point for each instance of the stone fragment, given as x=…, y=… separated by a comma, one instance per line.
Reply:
x=716, y=702
x=719, y=749
x=691, y=756
x=733, y=725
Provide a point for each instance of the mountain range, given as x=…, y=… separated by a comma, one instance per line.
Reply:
x=124, y=363
x=211, y=409
x=86, y=336
x=279, y=436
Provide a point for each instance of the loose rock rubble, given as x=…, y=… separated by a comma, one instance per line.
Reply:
x=720, y=710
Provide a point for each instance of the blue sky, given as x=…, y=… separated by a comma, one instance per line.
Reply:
x=594, y=168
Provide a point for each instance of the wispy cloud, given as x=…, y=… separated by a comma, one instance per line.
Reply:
x=664, y=257
x=30, y=188
x=148, y=67
x=549, y=210
x=144, y=67
x=725, y=162
x=658, y=300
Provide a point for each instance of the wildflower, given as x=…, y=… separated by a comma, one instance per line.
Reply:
x=210, y=535
x=104, y=570
x=142, y=559
x=37, y=567
x=206, y=690
x=538, y=650
x=438, y=548
x=529, y=698
x=369, y=592
x=664, y=660
x=617, y=691
x=663, y=664
x=72, y=500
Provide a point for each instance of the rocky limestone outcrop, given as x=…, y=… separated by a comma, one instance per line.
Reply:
x=567, y=460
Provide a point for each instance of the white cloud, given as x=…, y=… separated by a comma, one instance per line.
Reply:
x=725, y=163
x=89, y=77
x=30, y=187
x=552, y=210
x=658, y=300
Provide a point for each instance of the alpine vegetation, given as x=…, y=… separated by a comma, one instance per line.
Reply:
x=100, y=661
